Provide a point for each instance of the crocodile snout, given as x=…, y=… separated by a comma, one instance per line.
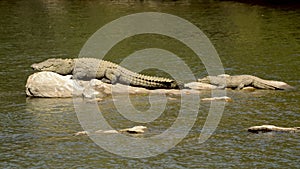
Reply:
x=34, y=67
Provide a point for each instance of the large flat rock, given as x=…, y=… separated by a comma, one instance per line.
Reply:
x=50, y=84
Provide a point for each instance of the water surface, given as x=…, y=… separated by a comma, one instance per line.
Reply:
x=250, y=39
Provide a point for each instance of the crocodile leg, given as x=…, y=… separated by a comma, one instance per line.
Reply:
x=112, y=75
x=245, y=83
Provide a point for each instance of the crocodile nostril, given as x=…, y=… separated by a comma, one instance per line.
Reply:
x=34, y=66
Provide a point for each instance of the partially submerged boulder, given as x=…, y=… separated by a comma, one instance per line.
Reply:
x=50, y=84
x=200, y=86
x=224, y=98
x=133, y=130
x=270, y=128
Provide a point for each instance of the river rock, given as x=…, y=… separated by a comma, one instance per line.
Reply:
x=50, y=84
x=223, y=98
x=200, y=86
x=133, y=130
x=248, y=88
x=269, y=128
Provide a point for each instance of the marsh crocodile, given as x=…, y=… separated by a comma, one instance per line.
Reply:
x=241, y=81
x=92, y=68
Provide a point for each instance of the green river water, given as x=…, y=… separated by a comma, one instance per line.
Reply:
x=251, y=39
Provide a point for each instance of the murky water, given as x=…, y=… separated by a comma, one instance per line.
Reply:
x=250, y=39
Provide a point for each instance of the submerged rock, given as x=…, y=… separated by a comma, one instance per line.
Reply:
x=133, y=130
x=223, y=98
x=200, y=86
x=269, y=128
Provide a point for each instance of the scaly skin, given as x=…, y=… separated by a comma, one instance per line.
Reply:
x=92, y=68
x=241, y=81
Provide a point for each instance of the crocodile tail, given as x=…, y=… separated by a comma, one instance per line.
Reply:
x=150, y=82
x=125, y=76
x=273, y=85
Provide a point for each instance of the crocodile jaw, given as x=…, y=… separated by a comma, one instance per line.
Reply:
x=61, y=66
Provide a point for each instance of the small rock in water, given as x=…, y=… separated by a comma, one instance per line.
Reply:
x=107, y=131
x=269, y=128
x=250, y=89
x=200, y=86
x=81, y=133
x=223, y=98
x=133, y=130
x=172, y=98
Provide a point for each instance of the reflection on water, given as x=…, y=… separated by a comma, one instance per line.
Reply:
x=250, y=39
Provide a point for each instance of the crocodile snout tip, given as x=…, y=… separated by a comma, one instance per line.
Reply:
x=34, y=66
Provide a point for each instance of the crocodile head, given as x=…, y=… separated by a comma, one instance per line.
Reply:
x=60, y=66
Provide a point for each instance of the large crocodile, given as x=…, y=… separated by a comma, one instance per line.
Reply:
x=241, y=81
x=89, y=68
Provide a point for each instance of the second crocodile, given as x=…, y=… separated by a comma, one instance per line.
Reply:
x=241, y=81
